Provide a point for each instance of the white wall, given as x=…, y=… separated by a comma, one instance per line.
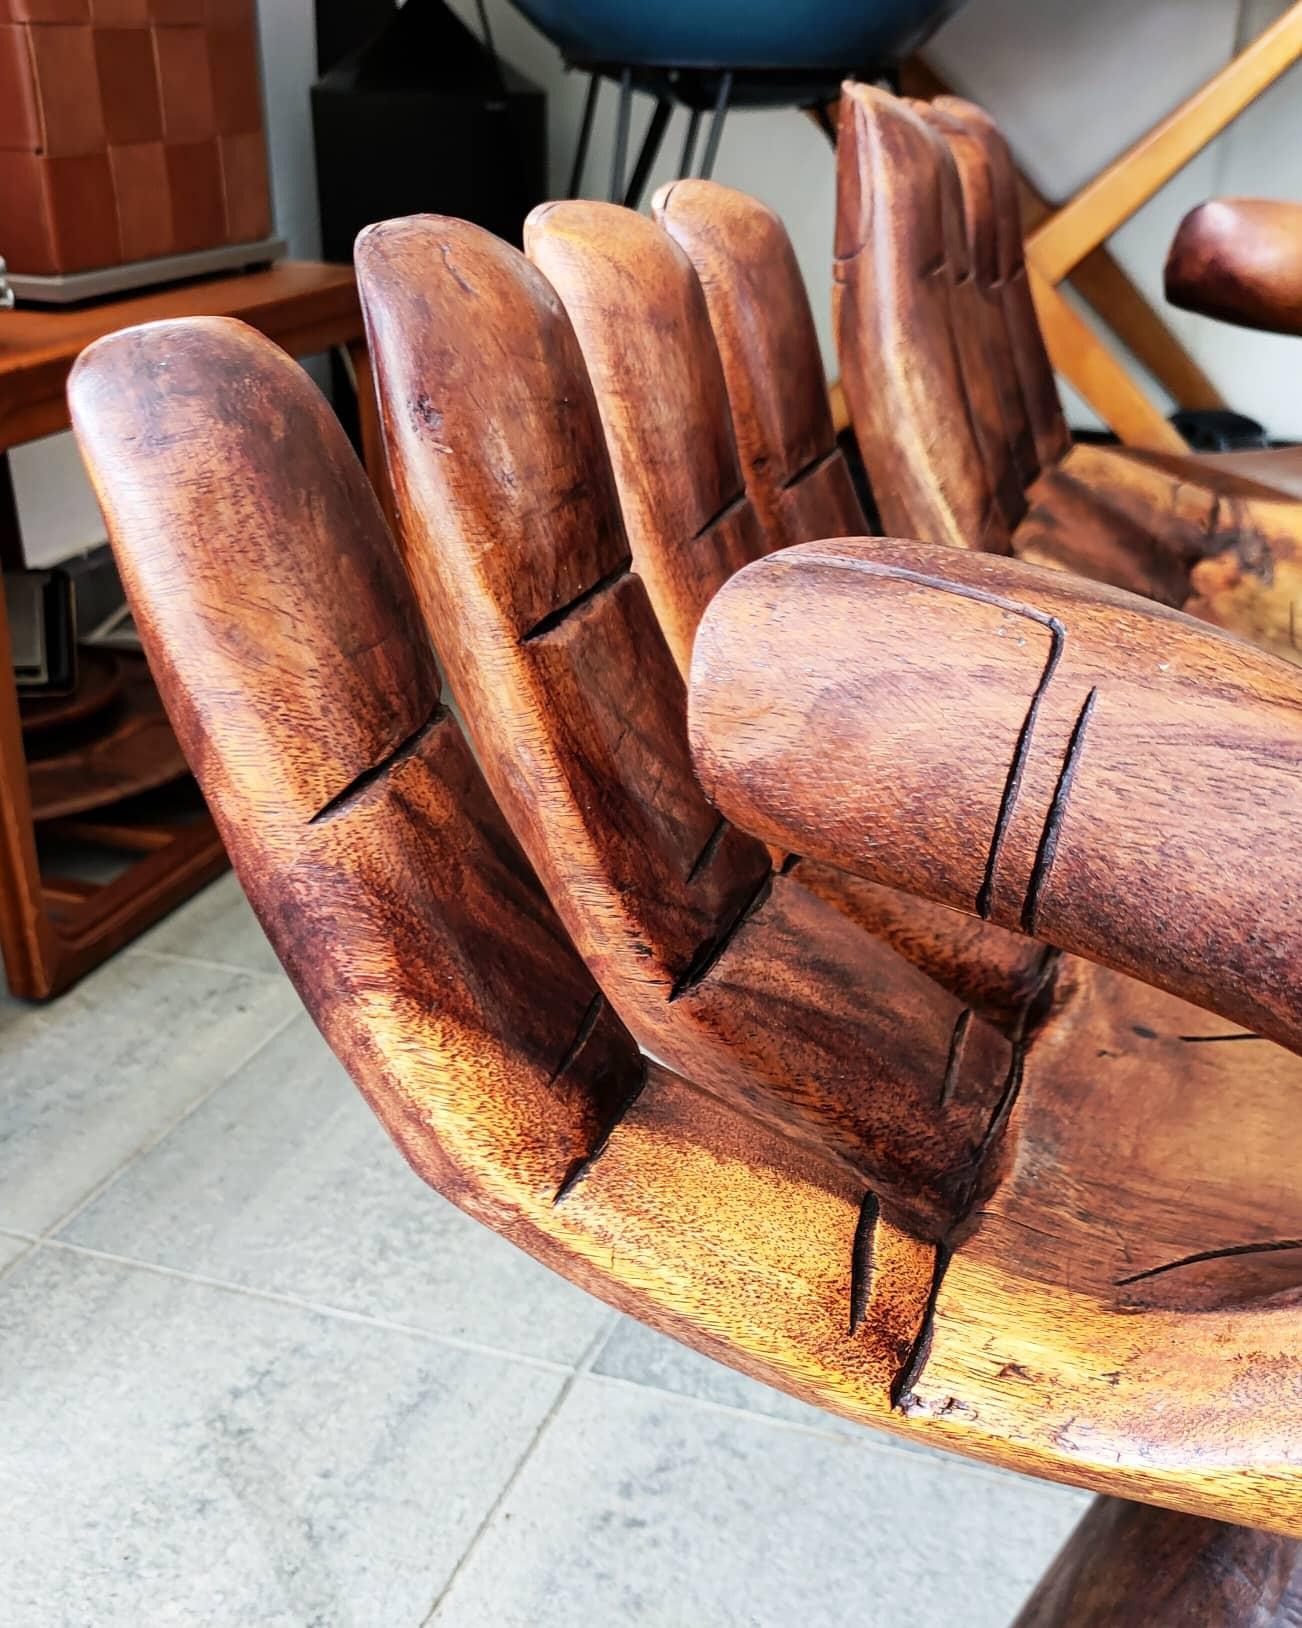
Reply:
x=1072, y=82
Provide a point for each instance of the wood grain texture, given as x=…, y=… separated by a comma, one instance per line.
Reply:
x=992, y=204
x=1042, y=775
x=1126, y=1563
x=796, y=476
x=1240, y=260
x=640, y=318
x=901, y=366
x=640, y=315
x=739, y=978
x=1194, y=532
x=1097, y=1318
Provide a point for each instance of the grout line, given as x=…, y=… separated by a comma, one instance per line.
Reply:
x=277, y=1297
x=856, y=1435
x=139, y=952
x=151, y=1142
x=508, y=1486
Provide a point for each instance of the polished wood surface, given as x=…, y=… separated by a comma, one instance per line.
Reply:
x=1119, y=719
x=759, y=314
x=704, y=363
x=639, y=315
x=577, y=712
x=1240, y=260
x=1120, y=1278
x=1107, y=288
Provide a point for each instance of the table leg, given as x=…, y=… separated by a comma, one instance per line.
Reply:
x=1128, y=1563
x=27, y=936
x=368, y=417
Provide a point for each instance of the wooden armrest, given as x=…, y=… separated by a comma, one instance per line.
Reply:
x=1240, y=259
x=1055, y=756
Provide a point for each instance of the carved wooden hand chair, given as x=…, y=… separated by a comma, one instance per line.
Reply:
x=956, y=410
x=1065, y=1251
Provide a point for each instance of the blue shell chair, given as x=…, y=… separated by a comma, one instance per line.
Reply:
x=717, y=54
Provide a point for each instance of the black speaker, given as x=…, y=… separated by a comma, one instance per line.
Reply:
x=424, y=117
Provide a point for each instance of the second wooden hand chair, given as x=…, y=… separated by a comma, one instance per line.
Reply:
x=296, y=669
x=722, y=454
x=954, y=403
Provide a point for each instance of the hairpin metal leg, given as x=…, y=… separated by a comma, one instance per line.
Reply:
x=621, y=135
x=655, y=134
x=689, y=143
x=585, y=135
x=716, y=125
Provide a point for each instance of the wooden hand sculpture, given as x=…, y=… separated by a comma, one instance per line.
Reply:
x=1112, y=1302
x=956, y=411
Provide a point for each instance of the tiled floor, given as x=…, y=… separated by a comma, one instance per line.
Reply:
x=253, y=1372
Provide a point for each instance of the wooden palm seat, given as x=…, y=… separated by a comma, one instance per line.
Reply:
x=723, y=453
x=297, y=671
x=949, y=387
x=1054, y=755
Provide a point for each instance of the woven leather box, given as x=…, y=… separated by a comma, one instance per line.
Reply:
x=129, y=130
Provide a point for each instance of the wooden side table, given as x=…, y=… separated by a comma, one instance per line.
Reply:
x=52, y=930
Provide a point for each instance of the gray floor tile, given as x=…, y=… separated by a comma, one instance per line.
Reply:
x=637, y=1509
x=284, y=1180
x=644, y=1357
x=183, y=1455
x=216, y=925
x=11, y=1249
x=87, y=1079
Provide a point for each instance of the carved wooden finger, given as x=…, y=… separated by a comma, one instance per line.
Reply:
x=1039, y=389
x=987, y=229
x=796, y=475
x=1129, y=1563
x=1240, y=260
x=1048, y=754
x=640, y=318
x=899, y=233
x=283, y=634
x=737, y=976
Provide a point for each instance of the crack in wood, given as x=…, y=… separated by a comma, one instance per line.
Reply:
x=1048, y=848
x=732, y=504
x=1016, y=769
x=581, y=1038
x=1275, y=1246
x=1215, y=1039
x=553, y=619
x=953, y=1062
x=359, y=785
x=708, y=852
x=806, y=470
x=980, y=596
x=861, y=1259
x=582, y=1166
x=910, y=1370
x=703, y=962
